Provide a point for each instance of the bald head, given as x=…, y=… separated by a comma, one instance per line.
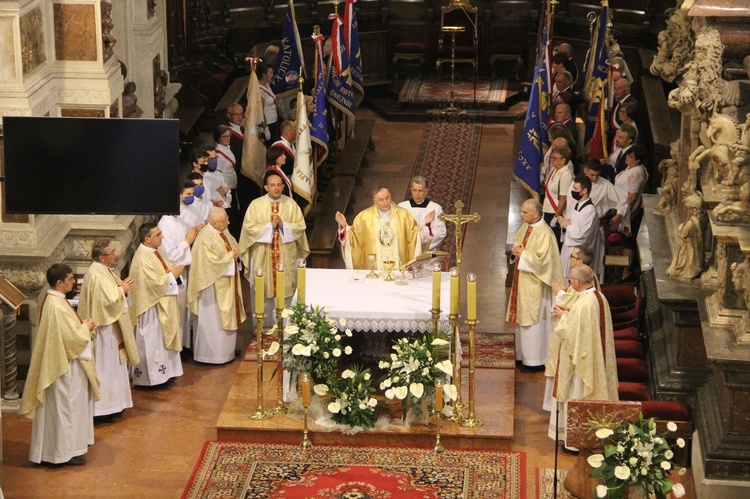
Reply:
x=216, y=213
x=583, y=274
x=531, y=211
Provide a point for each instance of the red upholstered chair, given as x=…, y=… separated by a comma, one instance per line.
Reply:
x=458, y=13
x=629, y=349
x=677, y=412
x=628, y=333
x=620, y=296
x=409, y=51
x=632, y=370
x=633, y=392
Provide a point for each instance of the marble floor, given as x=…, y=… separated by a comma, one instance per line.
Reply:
x=151, y=449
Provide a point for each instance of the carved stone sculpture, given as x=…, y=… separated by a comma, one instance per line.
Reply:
x=728, y=157
x=161, y=78
x=675, y=46
x=108, y=41
x=701, y=86
x=737, y=211
x=129, y=100
x=670, y=172
x=687, y=260
x=741, y=278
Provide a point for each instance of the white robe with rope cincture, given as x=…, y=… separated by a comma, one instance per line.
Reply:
x=532, y=342
x=177, y=249
x=584, y=230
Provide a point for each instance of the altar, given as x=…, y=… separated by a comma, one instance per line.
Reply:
x=374, y=305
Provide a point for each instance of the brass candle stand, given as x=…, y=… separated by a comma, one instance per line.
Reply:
x=472, y=421
x=438, y=414
x=435, y=317
x=305, y=382
x=458, y=404
x=260, y=413
x=453, y=30
x=280, y=407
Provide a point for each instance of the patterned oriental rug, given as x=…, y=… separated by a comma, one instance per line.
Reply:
x=545, y=478
x=448, y=157
x=247, y=470
x=419, y=91
x=494, y=351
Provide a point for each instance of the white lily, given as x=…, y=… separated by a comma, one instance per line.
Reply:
x=320, y=389
x=450, y=391
x=334, y=407
x=347, y=374
x=595, y=460
x=291, y=329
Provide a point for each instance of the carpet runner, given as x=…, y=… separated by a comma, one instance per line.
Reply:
x=448, y=157
x=247, y=470
x=545, y=480
x=419, y=91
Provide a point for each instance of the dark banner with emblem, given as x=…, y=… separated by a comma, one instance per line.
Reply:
x=290, y=60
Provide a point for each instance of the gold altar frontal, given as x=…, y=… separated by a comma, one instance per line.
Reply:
x=494, y=405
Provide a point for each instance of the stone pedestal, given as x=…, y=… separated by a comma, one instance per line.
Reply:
x=696, y=358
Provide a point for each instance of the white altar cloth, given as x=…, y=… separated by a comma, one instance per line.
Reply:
x=376, y=305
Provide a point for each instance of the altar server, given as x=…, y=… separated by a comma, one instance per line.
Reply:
x=104, y=300
x=582, y=351
x=432, y=230
x=178, y=237
x=385, y=230
x=582, y=228
x=530, y=301
x=61, y=386
x=155, y=311
x=214, y=293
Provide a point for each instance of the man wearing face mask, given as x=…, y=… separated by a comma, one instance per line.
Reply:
x=178, y=238
x=196, y=213
x=213, y=180
x=582, y=228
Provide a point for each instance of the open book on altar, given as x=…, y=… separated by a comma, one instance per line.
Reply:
x=424, y=261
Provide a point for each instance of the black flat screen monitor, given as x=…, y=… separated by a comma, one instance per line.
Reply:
x=85, y=166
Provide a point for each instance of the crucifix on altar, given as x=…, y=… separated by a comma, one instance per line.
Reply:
x=459, y=219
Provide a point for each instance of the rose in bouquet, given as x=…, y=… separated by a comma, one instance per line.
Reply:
x=312, y=343
x=412, y=368
x=351, y=400
x=636, y=455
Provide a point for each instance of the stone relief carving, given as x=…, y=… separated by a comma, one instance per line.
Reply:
x=32, y=40
x=161, y=79
x=701, y=87
x=670, y=172
x=130, y=107
x=108, y=41
x=741, y=278
x=737, y=211
x=687, y=261
x=675, y=45
x=728, y=157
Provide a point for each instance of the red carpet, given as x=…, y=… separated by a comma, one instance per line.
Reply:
x=448, y=157
x=247, y=470
x=494, y=350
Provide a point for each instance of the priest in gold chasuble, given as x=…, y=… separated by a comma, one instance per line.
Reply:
x=155, y=311
x=530, y=300
x=214, y=293
x=385, y=230
x=273, y=232
x=103, y=299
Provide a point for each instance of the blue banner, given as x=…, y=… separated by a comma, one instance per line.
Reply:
x=319, y=123
x=527, y=169
x=597, y=75
x=351, y=40
x=290, y=61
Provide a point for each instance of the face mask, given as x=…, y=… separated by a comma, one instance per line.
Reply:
x=212, y=164
x=576, y=195
x=188, y=200
x=199, y=190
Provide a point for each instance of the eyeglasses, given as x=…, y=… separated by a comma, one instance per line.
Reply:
x=109, y=254
x=556, y=157
x=226, y=136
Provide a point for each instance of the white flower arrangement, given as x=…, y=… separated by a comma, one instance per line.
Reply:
x=636, y=456
x=411, y=371
x=351, y=398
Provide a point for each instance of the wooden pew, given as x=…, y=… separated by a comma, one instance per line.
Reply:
x=338, y=197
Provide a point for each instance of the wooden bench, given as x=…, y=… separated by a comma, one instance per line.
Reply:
x=236, y=93
x=338, y=197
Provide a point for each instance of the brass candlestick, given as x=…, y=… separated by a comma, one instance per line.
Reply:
x=280, y=407
x=435, y=318
x=458, y=404
x=260, y=413
x=305, y=383
x=472, y=421
x=438, y=411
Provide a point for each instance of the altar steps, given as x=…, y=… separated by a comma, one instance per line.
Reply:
x=495, y=402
